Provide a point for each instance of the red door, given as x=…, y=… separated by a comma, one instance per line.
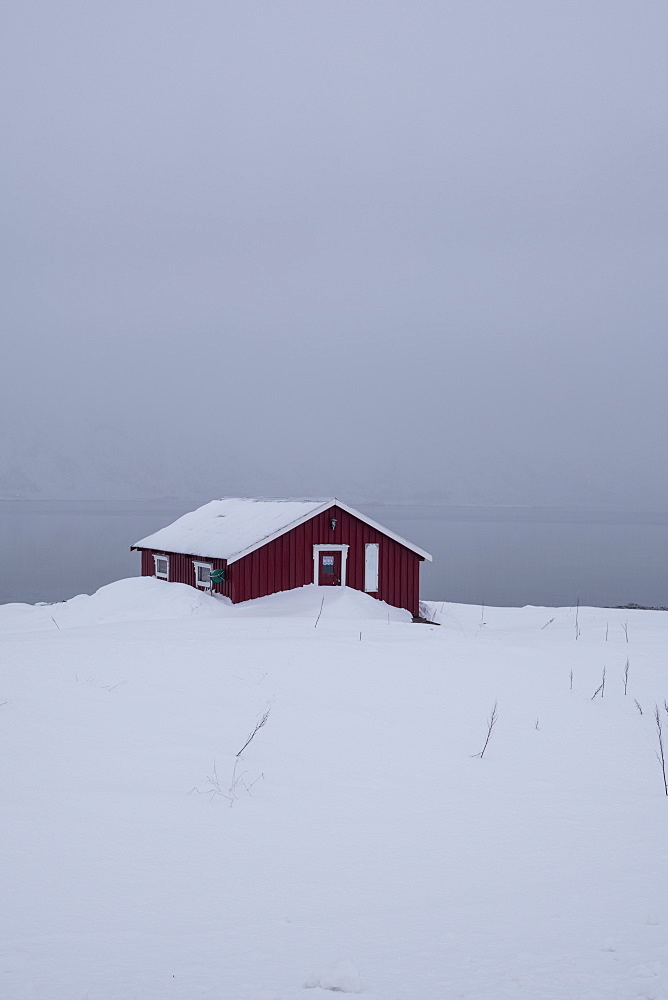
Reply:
x=329, y=569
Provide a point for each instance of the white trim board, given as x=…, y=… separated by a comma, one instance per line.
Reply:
x=196, y=564
x=371, y=567
x=160, y=576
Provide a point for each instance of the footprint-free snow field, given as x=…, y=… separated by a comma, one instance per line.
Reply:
x=286, y=799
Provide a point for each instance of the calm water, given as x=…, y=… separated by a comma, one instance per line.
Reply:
x=51, y=550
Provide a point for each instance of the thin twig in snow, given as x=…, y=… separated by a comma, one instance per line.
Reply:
x=215, y=788
x=601, y=688
x=262, y=721
x=660, y=756
x=491, y=722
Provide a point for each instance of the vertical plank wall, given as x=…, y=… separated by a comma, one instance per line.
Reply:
x=287, y=562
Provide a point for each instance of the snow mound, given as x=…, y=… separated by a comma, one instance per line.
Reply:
x=148, y=599
x=330, y=602
x=134, y=599
x=340, y=977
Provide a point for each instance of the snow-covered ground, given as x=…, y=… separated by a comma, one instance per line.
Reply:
x=357, y=843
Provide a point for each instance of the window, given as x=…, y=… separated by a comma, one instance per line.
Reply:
x=371, y=567
x=203, y=575
x=328, y=564
x=161, y=567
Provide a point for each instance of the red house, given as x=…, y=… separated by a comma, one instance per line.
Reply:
x=247, y=548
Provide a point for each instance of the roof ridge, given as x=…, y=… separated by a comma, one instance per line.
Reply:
x=280, y=499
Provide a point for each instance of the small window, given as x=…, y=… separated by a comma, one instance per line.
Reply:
x=371, y=567
x=203, y=575
x=161, y=567
x=328, y=564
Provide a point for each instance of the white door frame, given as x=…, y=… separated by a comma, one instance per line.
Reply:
x=317, y=549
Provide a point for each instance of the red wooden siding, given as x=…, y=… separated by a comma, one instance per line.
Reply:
x=287, y=562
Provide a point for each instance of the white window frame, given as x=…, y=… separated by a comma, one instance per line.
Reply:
x=371, y=566
x=317, y=549
x=196, y=566
x=161, y=576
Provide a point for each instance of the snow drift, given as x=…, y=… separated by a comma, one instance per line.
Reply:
x=355, y=842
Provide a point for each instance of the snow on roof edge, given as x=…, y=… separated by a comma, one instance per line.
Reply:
x=203, y=543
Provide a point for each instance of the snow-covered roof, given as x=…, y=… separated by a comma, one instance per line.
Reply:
x=234, y=526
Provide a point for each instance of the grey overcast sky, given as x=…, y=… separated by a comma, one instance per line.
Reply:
x=407, y=250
